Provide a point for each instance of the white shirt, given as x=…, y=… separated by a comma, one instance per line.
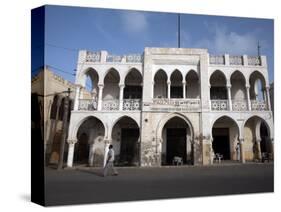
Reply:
x=111, y=155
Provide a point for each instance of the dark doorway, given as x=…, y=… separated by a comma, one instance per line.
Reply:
x=129, y=147
x=176, y=144
x=176, y=92
x=81, y=154
x=221, y=142
x=264, y=137
x=218, y=93
x=132, y=92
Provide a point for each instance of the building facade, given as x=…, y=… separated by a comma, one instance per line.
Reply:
x=170, y=102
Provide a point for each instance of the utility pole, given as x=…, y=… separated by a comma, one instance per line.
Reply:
x=64, y=129
x=259, y=47
x=179, y=36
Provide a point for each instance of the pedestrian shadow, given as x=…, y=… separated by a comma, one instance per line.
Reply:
x=94, y=172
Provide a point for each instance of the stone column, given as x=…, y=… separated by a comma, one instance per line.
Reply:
x=272, y=148
x=100, y=97
x=71, y=145
x=152, y=90
x=242, y=155
x=106, y=148
x=184, y=89
x=258, y=143
x=169, y=89
x=229, y=97
x=248, y=97
x=77, y=95
x=121, y=91
x=268, y=98
x=264, y=94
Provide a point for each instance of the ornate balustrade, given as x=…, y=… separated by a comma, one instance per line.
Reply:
x=110, y=104
x=87, y=104
x=254, y=61
x=219, y=104
x=97, y=57
x=134, y=58
x=176, y=104
x=93, y=56
x=131, y=104
x=235, y=60
x=239, y=105
x=217, y=60
x=258, y=105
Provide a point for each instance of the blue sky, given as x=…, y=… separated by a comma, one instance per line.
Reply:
x=68, y=29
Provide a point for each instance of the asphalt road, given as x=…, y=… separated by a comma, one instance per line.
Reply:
x=88, y=186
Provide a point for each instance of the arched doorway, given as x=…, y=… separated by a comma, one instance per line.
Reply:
x=91, y=80
x=225, y=133
x=133, y=85
x=176, y=136
x=257, y=138
x=192, y=85
x=160, y=84
x=176, y=84
x=258, y=94
x=125, y=140
x=90, y=145
x=218, y=91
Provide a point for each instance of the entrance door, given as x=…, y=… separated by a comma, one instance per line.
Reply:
x=176, y=144
x=221, y=142
x=129, y=148
x=81, y=154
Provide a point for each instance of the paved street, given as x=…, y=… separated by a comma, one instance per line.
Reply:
x=88, y=186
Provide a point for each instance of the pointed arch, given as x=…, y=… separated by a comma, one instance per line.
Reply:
x=160, y=84
x=166, y=118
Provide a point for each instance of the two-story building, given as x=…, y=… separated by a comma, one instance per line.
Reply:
x=170, y=102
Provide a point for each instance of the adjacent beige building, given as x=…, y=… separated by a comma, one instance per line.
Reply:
x=51, y=90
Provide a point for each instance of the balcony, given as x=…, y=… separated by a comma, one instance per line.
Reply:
x=259, y=105
x=87, y=104
x=220, y=105
x=110, y=105
x=131, y=104
x=103, y=56
x=238, y=105
x=236, y=60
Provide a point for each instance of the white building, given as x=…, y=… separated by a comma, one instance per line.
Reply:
x=171, y=102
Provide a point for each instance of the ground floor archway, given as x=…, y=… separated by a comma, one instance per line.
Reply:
x=257, y=139
x=176, y=142
x=89, y=149
x=126, y=143
x=225, y=134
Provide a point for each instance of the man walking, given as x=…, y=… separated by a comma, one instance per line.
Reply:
x=238, y=151
x=110, y=162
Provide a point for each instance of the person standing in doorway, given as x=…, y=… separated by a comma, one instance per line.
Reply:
x=237, y=149
x=110, y=162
